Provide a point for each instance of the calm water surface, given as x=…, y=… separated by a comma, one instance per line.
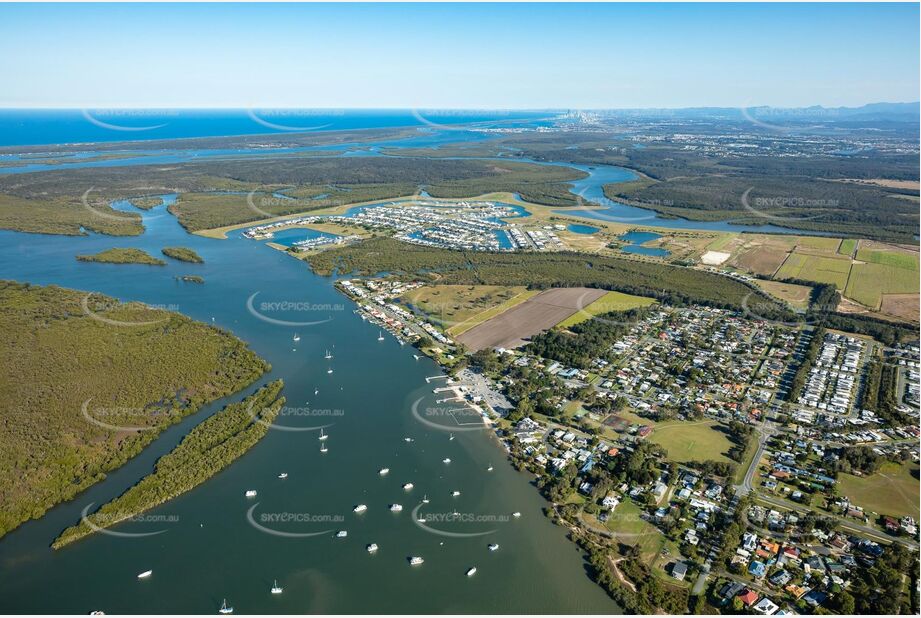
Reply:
x=208, y=549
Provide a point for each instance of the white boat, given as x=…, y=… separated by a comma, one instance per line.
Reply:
x=276, y=589
x=493, y=546
x=283, y=475
x=224, y=609
x=250, y=493
x=408, y=486
x=361, y=508
x=416, y=356
x=322, y=435
x=471, y=571
x=407, y=439
x=97, y=612
x=446, y=460
x=380, y=336
x=323, y=448
x=372, y=548
x=145, y=574
x=455, y=493
x=416, y=560
x=451, y=437
x=327, y=355
x=342, y=534
x=330, y=370
x=383, y=471
x=297, y=337
x=425, y=499
x=489, y=469
x=316, y=391
x=516, y=514
x=396, y=508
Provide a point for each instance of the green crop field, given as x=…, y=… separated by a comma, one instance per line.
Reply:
x=894, y=490
x=612, y=301
x=815, y=268
x=847, y=247
x=889, y=258
x=869, y=281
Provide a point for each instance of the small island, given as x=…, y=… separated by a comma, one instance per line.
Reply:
x=183, y=254
x=122, y=256
x=147, y=202
x=191, y=278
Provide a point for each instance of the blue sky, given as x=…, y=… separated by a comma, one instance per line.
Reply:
x=457, y=56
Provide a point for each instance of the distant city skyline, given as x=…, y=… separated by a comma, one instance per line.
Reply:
x=449, y=56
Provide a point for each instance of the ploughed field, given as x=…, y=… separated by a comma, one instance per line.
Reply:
x=512, y=328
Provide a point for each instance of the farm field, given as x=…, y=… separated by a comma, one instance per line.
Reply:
x=847, y=247
x=894, y=490
x=816, y=268
x=511, y=328
x=796, y=295
x=869, y=281
x=612, y=301
x=453, y=308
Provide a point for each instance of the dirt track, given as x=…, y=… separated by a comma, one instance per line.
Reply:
x=512, y=328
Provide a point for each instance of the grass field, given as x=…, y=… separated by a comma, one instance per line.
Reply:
x=631, y=529
x=816, y=268
x=869, y=281
x=898, y=259
x=458, y=308
x=612, y=301
x=796, y=295
x=691, y=441
x=818, y=244
x=894, y=490
x=847, y=247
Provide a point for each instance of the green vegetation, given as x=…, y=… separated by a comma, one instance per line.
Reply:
x=210, y=447
x=585, y=341
x=66, y=216
x=692, y=441
x=192, y=278
x=809, y=358
x=122, y=256
x=816, y=268
x=182, y=254
x=868, y=282
x=898, y=259
x=146, y=203
x=671, y=284
x=77, y=368
x=892, y=490
x=612, y=301
x=847, y=247
x=458, y=308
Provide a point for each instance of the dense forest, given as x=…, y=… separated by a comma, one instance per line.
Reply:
x=206, y=450
x=78, y=367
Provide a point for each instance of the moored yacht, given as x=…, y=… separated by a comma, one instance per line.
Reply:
x=407, y=486
x=455, y=493
x=493, y=546
x=372, y=547
x=471, y=571
x=276, y=589
x=250, y=493
x=145, y=574
x=283, y=475
x=416, y=560
x=396, y=508
x=322, y=435
x=383, y=471
x=361, y=508
x=225, y=609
